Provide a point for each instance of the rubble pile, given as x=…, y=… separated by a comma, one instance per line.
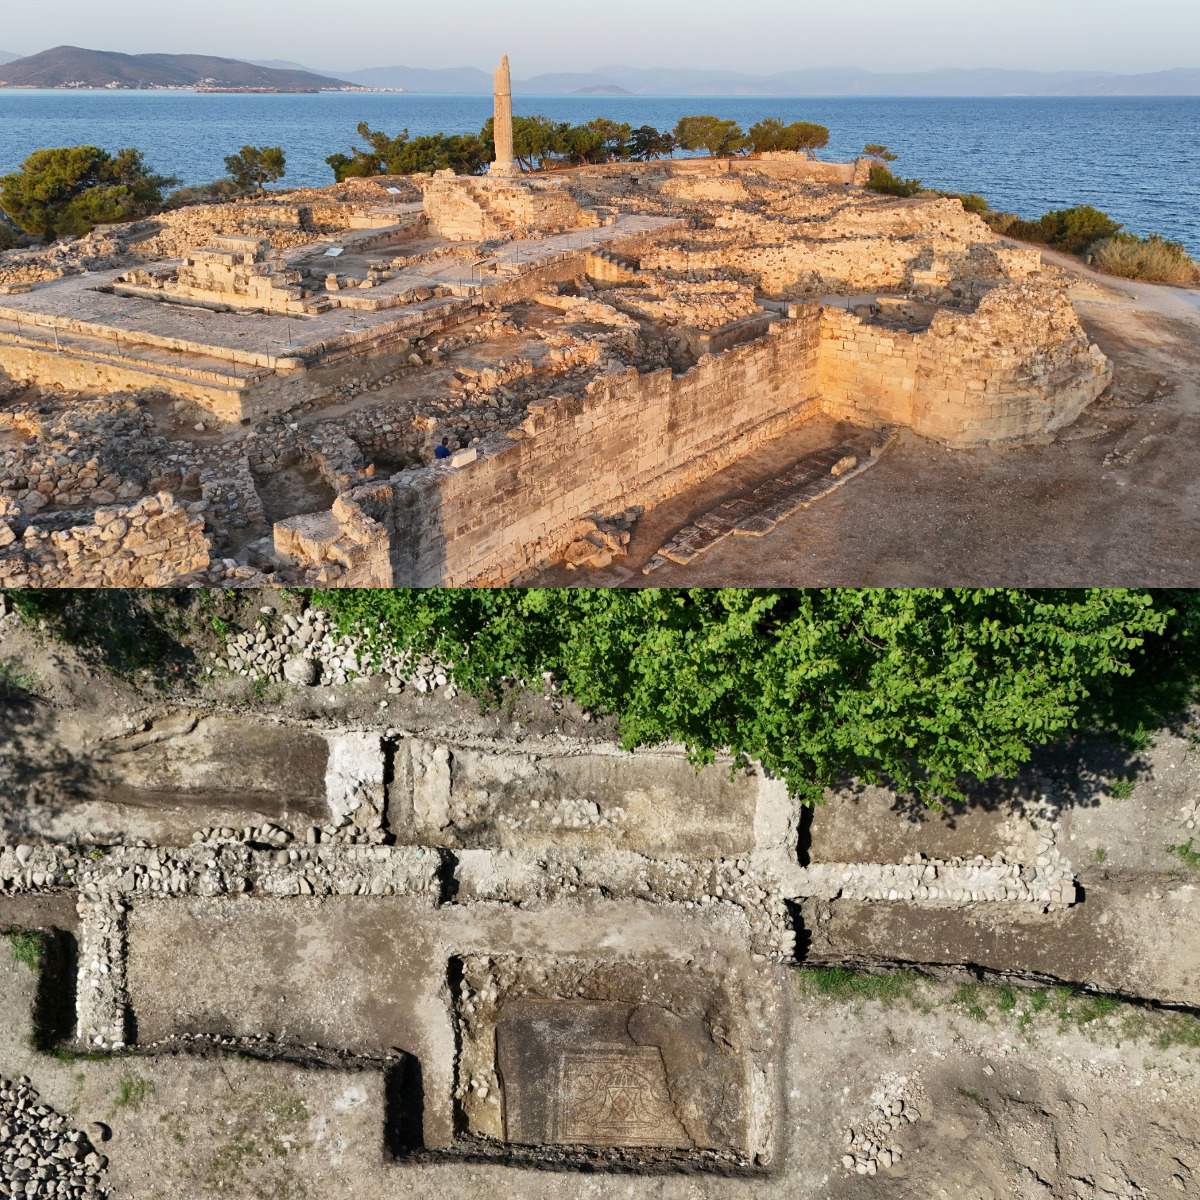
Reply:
x=75, y=451
x=149, y=544
x=598, y=539
x=40, y=1153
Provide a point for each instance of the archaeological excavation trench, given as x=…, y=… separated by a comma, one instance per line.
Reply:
x=355, y=948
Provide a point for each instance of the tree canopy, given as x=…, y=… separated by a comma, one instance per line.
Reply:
x=719, y=137
x=402, y=155
x=72, y=189
x=646, y=143
x=919, y=687
x=772, y=134
x=254, y=166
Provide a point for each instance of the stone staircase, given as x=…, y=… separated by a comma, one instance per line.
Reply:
x=463, y=210
x=607, y=266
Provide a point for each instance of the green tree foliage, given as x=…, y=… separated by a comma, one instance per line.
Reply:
x=1069, y=229
x=917, y=686
x=766, y=135
x=646, y=143
x=879, y=151
x=882, y=180
x=772, y=134
x=806, y=137
x=73, y=189
x=1073, y=229
x=402, y=155
x=254, y=166
x=720, y=138
x=536, y=139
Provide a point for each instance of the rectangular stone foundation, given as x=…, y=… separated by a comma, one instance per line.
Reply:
x=605, y=1062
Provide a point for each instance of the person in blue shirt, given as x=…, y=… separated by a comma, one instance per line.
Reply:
x=442, y=451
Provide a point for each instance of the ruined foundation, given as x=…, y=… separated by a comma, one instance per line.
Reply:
x=585, y=344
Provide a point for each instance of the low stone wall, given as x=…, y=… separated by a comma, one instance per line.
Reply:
x=639, y=438
x=149, y=544
x=1019, y=367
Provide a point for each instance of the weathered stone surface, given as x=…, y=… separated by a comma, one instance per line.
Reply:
x=572, y=1073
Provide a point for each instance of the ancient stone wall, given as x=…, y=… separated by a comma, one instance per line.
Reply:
x=868, y=372
x=149, y=544
x=635, y=437
x=1020, y=366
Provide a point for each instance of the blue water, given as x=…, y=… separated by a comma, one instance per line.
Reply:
x=1134, y=157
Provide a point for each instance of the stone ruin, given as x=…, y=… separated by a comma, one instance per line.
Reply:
x=317, y=919
x=324, y=349
x=233, y=271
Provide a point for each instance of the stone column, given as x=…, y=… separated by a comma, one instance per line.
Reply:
x=504, y=163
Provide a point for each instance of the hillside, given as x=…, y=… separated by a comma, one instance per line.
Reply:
x=102, y=68
x=832, y=81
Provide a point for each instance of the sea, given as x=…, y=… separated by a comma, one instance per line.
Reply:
x=1136, y=158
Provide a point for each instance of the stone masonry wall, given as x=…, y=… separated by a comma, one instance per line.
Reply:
x=1020, y=366
x=868, y=372
x=149, y=544
x=637, y=438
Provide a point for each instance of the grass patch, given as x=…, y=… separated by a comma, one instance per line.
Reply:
x=50, y=955
x=13, y=679
x=133, y=1092
x=971, y=997
x=844, y=983
x=1185, y=852
x=26, y=946
x=1121, y=789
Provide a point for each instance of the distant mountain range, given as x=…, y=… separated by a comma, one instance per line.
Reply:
x=99, y=68
x=820, y=81
x=5, y=57
x=66, y=65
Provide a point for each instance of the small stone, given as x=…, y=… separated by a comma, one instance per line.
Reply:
x=848, y=1161
x=300, y=670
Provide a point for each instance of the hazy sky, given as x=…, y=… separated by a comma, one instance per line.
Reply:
x=547, y=35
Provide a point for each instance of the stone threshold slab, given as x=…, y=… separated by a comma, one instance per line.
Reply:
x=757, y=513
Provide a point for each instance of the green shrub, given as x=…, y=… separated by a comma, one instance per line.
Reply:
x=71, y=190
x=1153, y=259
x=1073, y=229
x=882, y=180
x=972, y=202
